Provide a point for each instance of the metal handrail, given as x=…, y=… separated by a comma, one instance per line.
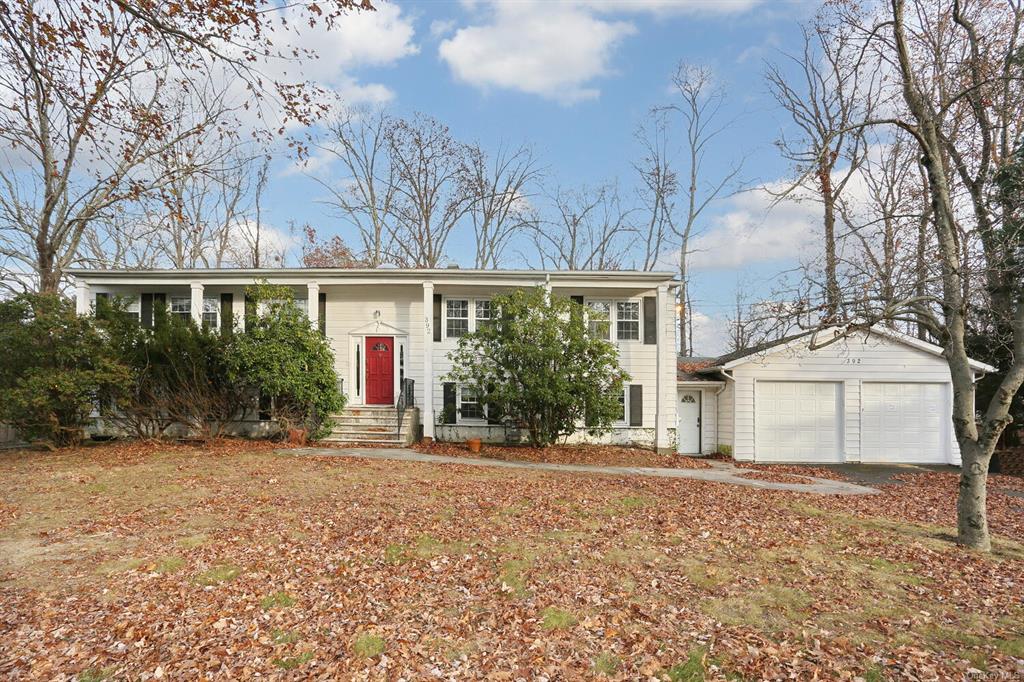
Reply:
x=406, y=398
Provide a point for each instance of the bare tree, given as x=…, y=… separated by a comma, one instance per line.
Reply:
x=658, y=188
x=591, y=231
x=89, y=98
x=699, y=104
x=957, y=93
x=360, y=139
x=432, y=189
x=501, y=190
x=326, y=253
x=830, y=93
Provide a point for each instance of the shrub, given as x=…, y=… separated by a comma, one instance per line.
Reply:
x=57, y=370
x=285, y=360
x=535, y=366
x=180, y=375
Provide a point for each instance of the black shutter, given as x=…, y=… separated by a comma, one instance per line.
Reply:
x=493, y=414
x=650, y=320
x=146, y=311
x=227, y=314
x=448, y=413
x=321, y=315
x=576, y=299
x=159, y=309
x=250, y=311
x=102, y=304
x=437, y=317
x=636, y=405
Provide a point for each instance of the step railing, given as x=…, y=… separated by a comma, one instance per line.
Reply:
x=406, y=398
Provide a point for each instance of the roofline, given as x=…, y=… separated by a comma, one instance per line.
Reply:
x=892, y=334
x=390, y=273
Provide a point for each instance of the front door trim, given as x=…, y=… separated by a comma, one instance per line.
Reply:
x=355, y=384
x=700, y=422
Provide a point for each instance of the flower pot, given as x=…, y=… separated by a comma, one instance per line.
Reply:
x=297, y=436
x=474, y=444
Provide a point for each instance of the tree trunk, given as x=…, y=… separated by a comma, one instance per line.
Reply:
x=49, y=278
x=831, y=277
x=684, y=346
x=972, y=517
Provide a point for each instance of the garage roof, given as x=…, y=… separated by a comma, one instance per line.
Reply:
x=730, y=360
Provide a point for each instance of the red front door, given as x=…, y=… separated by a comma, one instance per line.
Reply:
x=380, y=370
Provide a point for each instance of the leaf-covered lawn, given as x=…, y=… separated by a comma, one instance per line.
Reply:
x=173, y=562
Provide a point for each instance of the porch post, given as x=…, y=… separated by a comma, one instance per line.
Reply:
x=427, y=414
x=313, y=303
x=82, y=297
x=666, y=376
x=196, y=304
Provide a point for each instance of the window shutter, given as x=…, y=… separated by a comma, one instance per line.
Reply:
x=226, y=313
x=576, y=299
x=650, y=320
x=448, y=413
x=146, y=311
x=322, y=314
x=493, y=417
x=437, y=318
x=636, y=405
x=159, y=309
x=250, y=311
x=102, y=304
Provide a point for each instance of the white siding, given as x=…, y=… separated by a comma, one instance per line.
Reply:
x=709, y=421
x=853, y=361
x=726, y=415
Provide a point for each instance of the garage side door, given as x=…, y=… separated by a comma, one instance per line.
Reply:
x=902, y=422
x=797, y=421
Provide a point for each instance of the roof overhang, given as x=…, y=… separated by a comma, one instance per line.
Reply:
x=890, y=334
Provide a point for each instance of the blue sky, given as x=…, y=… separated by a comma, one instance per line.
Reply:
x=573, y=79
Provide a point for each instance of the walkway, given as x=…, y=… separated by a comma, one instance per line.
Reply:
x=720, y=472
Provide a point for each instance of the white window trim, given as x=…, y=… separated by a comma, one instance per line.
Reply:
x=470, y=311
x=624, y=422
x=613, y=316
x=216, y=310
x=459, y=419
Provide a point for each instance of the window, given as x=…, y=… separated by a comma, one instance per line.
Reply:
x=469, y=404
x=483, y=312
x=181, y=306
x=211, y=313
x=627, y=320
x=457, y=318
x=621, y=416
x=599, y=319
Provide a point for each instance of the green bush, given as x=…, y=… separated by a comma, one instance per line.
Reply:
x=57, y=369
x=536, y=367
x=284, y=359
x=180, y=375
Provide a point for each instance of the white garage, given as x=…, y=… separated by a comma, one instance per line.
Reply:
x=873, y=397
x=798, y=421
x=903, y=422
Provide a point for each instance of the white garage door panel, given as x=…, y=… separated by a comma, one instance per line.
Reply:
x=797, y=421
x=902, y=423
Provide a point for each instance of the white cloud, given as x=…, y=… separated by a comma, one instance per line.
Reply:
x=551, y=49
x=440, y=28
x=753, y=231
x=662, y=7
x=710, y=334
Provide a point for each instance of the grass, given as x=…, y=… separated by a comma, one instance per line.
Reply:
x=606, y=664
x=293, y=662
x=512, y=576
x=694, y=669
x=96, y=674
x=218, y=575
x=277, y=600
x=553, y=618
x=279, y=636
x=368, y=645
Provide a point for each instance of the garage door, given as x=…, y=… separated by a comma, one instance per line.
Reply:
x=797, y=421
x=902, y=422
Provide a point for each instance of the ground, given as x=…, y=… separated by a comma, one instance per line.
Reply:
x=151, y=561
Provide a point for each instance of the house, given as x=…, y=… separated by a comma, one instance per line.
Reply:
x=874, y=396
x=392, y=330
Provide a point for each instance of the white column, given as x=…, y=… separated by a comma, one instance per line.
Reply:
x=196, y=306
x=427, y=413
x=666, y=377
x=82, y=302
x=313, y=303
